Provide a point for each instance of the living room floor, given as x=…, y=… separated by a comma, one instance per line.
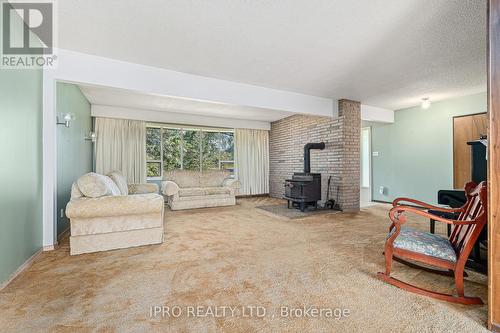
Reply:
x=238, y=257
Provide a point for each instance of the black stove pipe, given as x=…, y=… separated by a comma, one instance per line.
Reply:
x=307, y=154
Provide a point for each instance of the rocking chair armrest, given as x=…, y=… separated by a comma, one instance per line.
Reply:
x=396, y=212
x=397, y=202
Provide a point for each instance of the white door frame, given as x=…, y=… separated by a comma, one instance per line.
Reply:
x=367, y=189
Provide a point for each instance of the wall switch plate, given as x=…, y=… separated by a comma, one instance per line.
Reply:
x=62, y=212
x=381, y=190
x=375, y=153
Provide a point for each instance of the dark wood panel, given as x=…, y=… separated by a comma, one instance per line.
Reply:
x=465, y=128
x=494, y=165
x=479, y=125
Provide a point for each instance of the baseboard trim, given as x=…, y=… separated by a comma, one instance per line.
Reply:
x=63, y=235
x=49, y=248
x=251, y=195
x=382, y=201
x=20, y=269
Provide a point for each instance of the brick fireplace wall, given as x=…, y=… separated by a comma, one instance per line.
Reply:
x=340, y=158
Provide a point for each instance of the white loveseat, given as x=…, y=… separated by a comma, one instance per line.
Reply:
x=107, y=213
x=192, y=189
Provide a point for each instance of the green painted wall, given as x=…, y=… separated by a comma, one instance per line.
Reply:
x=20, y=167
x=74, y=153
x=416, y=152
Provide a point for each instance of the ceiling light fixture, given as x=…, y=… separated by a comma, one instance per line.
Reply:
x=426, y=103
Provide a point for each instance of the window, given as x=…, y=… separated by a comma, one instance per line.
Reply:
x=210, y=150
x=172, y=148
x=226, y=161
x=191, y=149
x=153, y=152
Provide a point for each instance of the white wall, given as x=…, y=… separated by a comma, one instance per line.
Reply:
x=372, y=113
x=175, y=117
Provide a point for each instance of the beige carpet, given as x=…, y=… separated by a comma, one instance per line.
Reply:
x=237, y=257
x=282, y=211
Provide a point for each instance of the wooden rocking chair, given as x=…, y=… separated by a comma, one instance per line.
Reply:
x=449, y=254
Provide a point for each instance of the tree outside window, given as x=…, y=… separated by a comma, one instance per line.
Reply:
x=172, y=158
x=191, y=150
x=210, y=145
x=227, y=151
x=153, y=152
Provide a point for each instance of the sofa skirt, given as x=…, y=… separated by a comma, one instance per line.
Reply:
x=115, y=240
x=201, y=202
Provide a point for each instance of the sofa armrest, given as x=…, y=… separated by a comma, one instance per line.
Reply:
x=115, y=206
x=231, y=183
x=142, y=188
x=169, y=188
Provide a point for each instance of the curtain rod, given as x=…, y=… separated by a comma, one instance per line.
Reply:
x=187, y=127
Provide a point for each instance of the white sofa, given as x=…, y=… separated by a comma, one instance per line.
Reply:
x=192, y=189
x=107, y=213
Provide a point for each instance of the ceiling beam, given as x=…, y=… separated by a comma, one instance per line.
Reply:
x=93, y=70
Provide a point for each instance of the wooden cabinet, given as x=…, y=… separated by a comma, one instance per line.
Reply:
x=465, y=129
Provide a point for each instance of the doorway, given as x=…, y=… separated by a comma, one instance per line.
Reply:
x=365, y=196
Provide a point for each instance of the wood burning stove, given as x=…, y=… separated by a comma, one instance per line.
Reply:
x=304, y=189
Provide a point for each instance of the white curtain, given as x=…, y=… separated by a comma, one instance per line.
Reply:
x=251, y=155
x=121, y=145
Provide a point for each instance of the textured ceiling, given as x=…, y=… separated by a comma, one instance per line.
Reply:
x=386, y=53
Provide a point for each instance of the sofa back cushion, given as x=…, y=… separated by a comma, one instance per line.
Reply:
x=94, y=185
x=183, y=178
x=120, y=181
x=213, y=178
x=191, y=178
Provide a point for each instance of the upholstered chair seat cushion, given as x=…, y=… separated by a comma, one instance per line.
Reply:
x=191, y=192
x=94, y=185
x=425, y=243
x=200, y=191
x=217, y=190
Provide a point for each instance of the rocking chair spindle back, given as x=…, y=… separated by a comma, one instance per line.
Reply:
x=449, y=254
